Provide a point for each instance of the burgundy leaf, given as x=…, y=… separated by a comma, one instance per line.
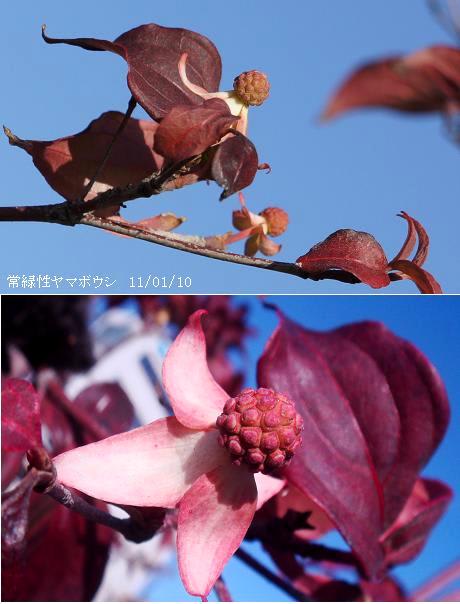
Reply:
x=424, y=280
x=421, y=400
x=234, y=165
x=225, y=373
x=334, y=466
x=408, y=535
x=186, y=131
x=69, y=163
x=11, y=466
x=353, y=251
x=387, y=590
x=63, y=556
x=426, y=80
x=109, y=405
x=20, y=416
x=64, y=559
x=15, y=511
x=368, y=393
x=152, y=53
x=411, y=238
x=15, y=518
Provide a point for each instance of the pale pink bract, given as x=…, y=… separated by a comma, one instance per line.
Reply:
x=177, y=461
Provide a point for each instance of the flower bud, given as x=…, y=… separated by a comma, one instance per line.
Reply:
x=252, y=87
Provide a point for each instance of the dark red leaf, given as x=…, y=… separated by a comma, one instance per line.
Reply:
x=69, y=163
x=11, y=466
x=366, y=388
x=407, y=536
x=64, y=559
x=109, y=405
x=334, y=466
x=426, y=80
x=15, y=514
x=411, y=238
x=387, y=590
x=421, y=400
x=234, y=165
x=20, y=416
x=424, y=280
x=187, y=131
x=63, y=556
x=225, y=373
x=415, y=229
x=152, y=53
x=356, y=252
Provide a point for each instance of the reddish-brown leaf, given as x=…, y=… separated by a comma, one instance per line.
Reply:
x=424, y=280
x=356, y=252
x=69, y=163
x=108, y=403
x=424, y=81
x=407, y=536
x=64, y=556
x=187, y=131
x=334, y=466
x=415, y=230
x=234, y=165
x=20, y=416
x=152, y=53
x=369, y=385
x=420, y=399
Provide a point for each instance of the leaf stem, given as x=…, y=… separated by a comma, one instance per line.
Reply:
x=129, y=111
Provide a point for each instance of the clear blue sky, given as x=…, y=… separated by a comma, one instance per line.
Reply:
x=357, y=172
x=433, y=325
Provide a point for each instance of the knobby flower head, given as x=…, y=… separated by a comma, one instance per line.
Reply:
x=212, y=459
x=249, y=88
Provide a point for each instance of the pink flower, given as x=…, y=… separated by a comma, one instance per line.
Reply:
x=183, y=460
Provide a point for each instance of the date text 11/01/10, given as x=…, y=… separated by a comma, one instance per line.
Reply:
x=156, y=282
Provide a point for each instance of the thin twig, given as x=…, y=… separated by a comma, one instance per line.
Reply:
x=129, y=527
x=82, y=417
x=152, y=185
x=271, y=576
x=69, y=216
x=194, y=245
x=222, y=591
x=129, y=111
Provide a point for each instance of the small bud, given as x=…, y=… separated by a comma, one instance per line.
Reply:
x=277, y=220
x=252, y=87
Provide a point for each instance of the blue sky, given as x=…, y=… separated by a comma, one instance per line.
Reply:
x=434, y=327
x=358, y=172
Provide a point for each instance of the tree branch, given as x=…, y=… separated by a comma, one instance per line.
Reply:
x=70, y=213
x=197, y=245
x=271, y=576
